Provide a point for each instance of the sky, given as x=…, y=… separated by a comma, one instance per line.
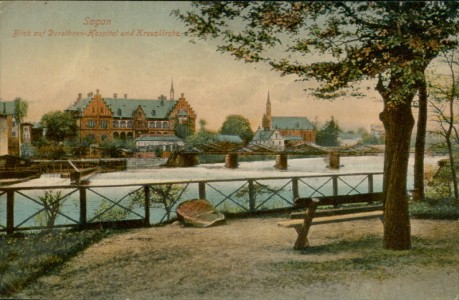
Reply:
x=50, y=70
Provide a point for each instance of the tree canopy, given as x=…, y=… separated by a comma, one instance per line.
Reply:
x=339, y=44
x=21, y=108
x=328, y=134
x=237, y=125
x=59, y=125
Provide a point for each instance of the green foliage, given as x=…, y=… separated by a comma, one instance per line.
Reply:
x=108, y=211
x=183, y=129
x=52, y=202
x=440, y=187
x=23, y=258
x=59, y=125
x=328, y=134
x=20, y=109
x=48, y=150
x=355, y=40
x=113, y=148
x=202, y=137
x=237, y=125
x=163, y=195
x=368, y=138
x=446, y=209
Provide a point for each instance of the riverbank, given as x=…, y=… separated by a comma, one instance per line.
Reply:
x=253, y=259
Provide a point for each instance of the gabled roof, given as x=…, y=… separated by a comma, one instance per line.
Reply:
x=264, y=134
x=229, y=138
x=291, y=123
x=7, y=107
x=124, y=107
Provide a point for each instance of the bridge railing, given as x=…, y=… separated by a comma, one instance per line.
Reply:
x=134, y=205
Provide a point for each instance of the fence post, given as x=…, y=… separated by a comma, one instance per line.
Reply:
x=202, y=190
x=251, y=196
x=83, y=206
x=146, y=190
x=296, y=194
x=370, y=183
x=9, y=212
x=335, y=187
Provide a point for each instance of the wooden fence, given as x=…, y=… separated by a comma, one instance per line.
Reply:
x=132, y=205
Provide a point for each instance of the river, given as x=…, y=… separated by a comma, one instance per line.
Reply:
x=224, y=194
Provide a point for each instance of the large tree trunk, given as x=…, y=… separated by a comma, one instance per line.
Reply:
x=398, y=122
x=418, y=194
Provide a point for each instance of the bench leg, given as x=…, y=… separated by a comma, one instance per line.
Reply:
x=303, y=230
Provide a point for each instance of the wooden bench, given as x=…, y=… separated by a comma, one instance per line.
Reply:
x=303, y=221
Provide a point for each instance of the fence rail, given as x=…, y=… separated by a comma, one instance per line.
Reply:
x=36, y=208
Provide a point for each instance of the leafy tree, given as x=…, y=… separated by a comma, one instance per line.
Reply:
x=237, y=125
x=163, y=195
x=328, y=135
x=390, y=41
x=59, y=125
x=52, y=203
x=113, y=148
x=183, y=129
x=202, y=137
x=368, y=138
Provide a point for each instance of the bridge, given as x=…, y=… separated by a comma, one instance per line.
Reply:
x=189, y=156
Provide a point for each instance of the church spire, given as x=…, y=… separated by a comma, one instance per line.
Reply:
x=268, y=113
x=172, y=89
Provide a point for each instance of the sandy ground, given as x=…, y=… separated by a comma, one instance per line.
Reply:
x=233, y=261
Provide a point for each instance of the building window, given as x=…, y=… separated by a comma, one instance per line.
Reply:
x=103, y=124
x=103, y=137
x=130, y=136
x=91, y=123
x=165, y=124
x=129, y=124
x=116, y=124
x=158, y=124
x=116, y=135
x=151, y=124
x=123, y=124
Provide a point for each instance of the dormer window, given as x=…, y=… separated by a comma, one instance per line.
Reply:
x=153, y=112
x=119, y=112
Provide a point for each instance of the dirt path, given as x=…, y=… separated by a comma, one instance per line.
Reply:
x=232, y=262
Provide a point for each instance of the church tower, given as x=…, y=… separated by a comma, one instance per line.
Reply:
x=267, y=120
x=172, y=90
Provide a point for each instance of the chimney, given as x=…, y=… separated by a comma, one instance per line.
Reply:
x=79, y=96
x=125, y=96
x=97, y=92
x=90, y=94
x=115, y=95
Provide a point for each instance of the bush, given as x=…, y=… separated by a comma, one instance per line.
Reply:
x=447, y=209
x=25, y=257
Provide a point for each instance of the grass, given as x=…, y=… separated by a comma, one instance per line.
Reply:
x=367, y=257
x=440, y=210
x=25, y=257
